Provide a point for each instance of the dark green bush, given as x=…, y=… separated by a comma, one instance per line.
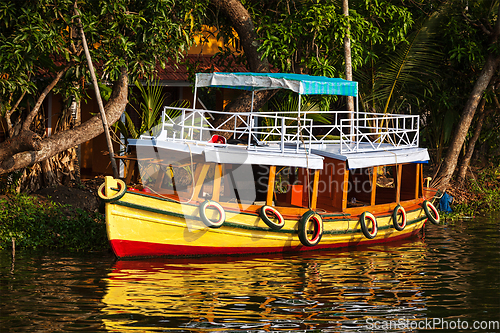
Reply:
x=47, y=225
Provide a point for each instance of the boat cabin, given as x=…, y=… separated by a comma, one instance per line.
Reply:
x=284, y=159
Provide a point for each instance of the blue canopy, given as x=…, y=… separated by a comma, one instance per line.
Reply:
x=299, y=83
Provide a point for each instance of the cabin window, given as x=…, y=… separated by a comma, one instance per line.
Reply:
x=410, y=181
x=261, y=177
x=289, y=188
x=386, y=176
x=387, y=183
x=162, y=178
x=360, y=187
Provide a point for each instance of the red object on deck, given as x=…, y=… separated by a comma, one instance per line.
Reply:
x=217, y=139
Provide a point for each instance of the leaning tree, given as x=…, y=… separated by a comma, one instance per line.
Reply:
x=41, y=52
x=472, y=35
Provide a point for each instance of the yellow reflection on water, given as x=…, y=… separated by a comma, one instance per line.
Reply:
x=316, y=290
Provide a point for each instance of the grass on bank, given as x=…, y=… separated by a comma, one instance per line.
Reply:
x=479, y=195
x=40, y=225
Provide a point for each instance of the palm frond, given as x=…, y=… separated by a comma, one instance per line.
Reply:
x=408, y=65
x=152, y=101
x=132, y=132
x=310, y=107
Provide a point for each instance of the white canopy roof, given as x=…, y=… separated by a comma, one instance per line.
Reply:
x=231, y=154
x=299, y=83
x=373, y=158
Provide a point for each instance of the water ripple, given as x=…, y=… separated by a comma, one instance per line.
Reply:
x=449, y=272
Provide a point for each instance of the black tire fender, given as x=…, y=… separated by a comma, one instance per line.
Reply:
x=429, y=210
x=304, y=224
x=203, y=214
x=395, y=223
x=264, y=210
x=364, y=227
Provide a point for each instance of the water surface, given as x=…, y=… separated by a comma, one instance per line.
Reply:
x=450, y=275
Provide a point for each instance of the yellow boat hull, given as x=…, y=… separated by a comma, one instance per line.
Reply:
x=143, y=225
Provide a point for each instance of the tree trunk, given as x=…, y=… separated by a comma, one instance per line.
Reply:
x=242, y=23
x=470, y=147
x=69, y=138
x=78, y=160
x=26, y=140
x=48, y=175
x=450, y=161
x=347, y=52
x=10, y=126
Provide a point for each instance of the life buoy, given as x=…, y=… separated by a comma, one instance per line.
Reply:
x=431, y=212
x=310, y=217
x=264, y=210
x=364, y=228
x=395, y=221
x=203, y=214
x=122, y=189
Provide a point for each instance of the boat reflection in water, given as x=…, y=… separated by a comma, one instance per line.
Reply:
x=317, y=290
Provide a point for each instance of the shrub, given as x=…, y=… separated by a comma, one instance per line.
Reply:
x=47, y=225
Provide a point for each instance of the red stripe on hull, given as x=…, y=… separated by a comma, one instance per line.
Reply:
x=125, y=248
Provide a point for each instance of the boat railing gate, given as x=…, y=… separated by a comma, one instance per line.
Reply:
x=354, y=132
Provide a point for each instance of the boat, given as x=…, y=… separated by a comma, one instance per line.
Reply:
x=269, y=181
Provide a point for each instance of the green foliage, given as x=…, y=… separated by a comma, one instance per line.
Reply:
x=36, y=226
x=9, y=182
x=487, y=186
x=407, y=66
x=308, y=36
x=482, y=194
x=149, y=109
x=43, y=36
x=149, y=112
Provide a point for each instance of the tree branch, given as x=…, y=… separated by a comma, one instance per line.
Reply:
x=480, y=25
x=45, y=92
x=242, y=23
x=64, y=140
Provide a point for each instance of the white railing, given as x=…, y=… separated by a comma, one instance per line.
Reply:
x=354, y=132
x=379, y=131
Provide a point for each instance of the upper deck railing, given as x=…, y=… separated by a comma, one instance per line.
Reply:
x=352, y=131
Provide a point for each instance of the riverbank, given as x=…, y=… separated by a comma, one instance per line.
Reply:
x=479, y=194
x=67, y=217
x=58, y=218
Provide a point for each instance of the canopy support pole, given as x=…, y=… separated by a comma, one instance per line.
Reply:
x=298, y=123
x=270, y=185
x=195, y=92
